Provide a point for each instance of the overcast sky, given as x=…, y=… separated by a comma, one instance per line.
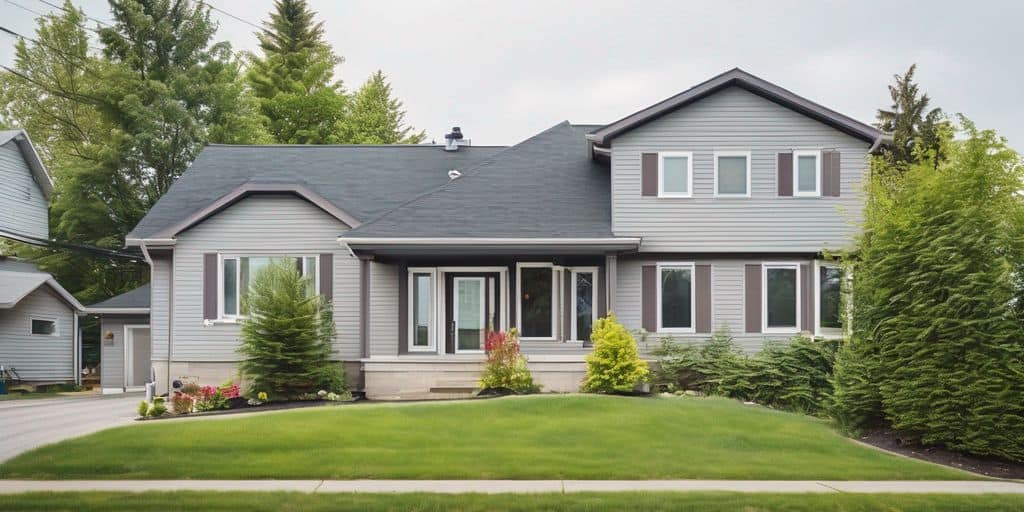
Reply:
x=505, y=70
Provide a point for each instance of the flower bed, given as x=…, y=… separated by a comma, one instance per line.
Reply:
x=191, y=399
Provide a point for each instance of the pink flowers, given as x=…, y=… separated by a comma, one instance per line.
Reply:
x=229, y=390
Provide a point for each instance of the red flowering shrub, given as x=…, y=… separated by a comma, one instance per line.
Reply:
x=229, y=390
x=182, y=403
x=506, y=368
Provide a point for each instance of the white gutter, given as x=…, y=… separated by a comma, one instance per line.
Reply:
x=116, y=311
x=155, y=242
x=489, y=241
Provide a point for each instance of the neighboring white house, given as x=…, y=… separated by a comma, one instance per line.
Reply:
x=39, y=336
x=25, y=188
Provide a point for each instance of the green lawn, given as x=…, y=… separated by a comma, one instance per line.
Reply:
x=536, y=437
x=591, y=502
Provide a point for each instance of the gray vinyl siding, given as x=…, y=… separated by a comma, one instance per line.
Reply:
x=36, y=357
x=383, y=309
x=112, y=351
x=258, y=225
x=735, y=119
x=23, y=208
x=159, y=304
x=727, y=301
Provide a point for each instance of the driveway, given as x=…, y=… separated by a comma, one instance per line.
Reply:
x=27, y=424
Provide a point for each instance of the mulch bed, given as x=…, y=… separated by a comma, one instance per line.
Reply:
x=241, y=409
x=886, y=439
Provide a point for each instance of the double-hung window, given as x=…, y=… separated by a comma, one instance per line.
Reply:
x=781, y=299
x=421, y=309
x=237, y=274
x=732, y=173
x=675, y=174
x=676, y=297
x=828, y=303
x=807, y=173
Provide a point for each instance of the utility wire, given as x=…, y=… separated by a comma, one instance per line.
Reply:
x=71, y=59
x=222, y=11
x=65, y=9
x=22, y=7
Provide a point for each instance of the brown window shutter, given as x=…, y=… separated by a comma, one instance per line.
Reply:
x=403, y=310
x=830, y=180
x=210, y=286
x=649, y=298
x=806, y=298
x=649, y=174
x=752, y=298
x=702, y=283
x=327, y=275
x=785, y=174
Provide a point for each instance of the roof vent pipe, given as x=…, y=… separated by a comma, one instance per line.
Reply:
x=454, y=174
x=452, y=140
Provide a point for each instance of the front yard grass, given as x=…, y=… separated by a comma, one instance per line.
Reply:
x=534, y=437
x=591, y=502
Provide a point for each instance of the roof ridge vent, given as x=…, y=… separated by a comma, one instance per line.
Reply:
x=454, y=174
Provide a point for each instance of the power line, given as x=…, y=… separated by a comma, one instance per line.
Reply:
x=222, y=11
x=71, y=59
x=22, y=7
x=65, y=9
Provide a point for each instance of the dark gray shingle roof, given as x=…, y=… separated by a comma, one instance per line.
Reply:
x=547, y=186
x=364, y=181
x=137, y=298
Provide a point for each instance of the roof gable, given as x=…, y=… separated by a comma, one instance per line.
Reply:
x=738, y=78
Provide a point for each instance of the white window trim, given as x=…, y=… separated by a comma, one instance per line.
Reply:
x=56, y=326
x=593, y=300
x=431, y=315
x=718, y=154
x=224, y=318
x=816, y=153
x=764, y=297
x=689, y=174
x=519, y=300
x=685, y=265
x=825, y=332
x=483, y=312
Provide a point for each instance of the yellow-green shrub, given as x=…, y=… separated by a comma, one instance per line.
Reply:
x=615, y=365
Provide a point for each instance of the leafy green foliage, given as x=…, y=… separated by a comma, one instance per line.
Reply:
x=917, y=131
x=792, y=375
x=856, y=399
x=506, y=368
x=286, y=339
x=937, y=298
x=614, y=366
x=377, y=117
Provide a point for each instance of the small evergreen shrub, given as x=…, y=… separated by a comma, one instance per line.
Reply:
x=286, y=339
x=614, y=366
x=143, y=409
x=506, y=368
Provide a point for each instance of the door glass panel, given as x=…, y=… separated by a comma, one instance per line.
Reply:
x=535, y=291
x=469, y=314
x=584, y=305
x=781, y=294
x=421, y=310
x=230, y=298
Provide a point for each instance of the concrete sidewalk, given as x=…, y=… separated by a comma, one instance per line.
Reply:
x=518, y=486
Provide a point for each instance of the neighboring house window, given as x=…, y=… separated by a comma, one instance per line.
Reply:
x=807, y=173
x=535, y=302
x=781, y=284
x=238, y=272
x=421, y=310
x=675, y=297
x=44, y=327
x=675, y=174
x=829, y=299
x=732, y=173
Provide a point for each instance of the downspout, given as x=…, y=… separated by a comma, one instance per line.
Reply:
x=76, y=342
x=170, y=284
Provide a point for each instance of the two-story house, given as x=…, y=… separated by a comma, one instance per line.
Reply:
x=711, y=209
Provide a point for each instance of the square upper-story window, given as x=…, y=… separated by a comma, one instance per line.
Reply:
x=675, y=174
x=807, y=173
x=732, y=173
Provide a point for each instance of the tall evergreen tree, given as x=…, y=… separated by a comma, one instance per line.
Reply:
x=916, y=129
x=294, y=77
x=377, y=118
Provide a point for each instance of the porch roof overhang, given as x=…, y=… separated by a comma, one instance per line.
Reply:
x=408, y=246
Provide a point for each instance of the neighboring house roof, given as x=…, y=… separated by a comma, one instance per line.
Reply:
x=363, y=182
x=131, y=302
x=546, y=187
x=28, y=151
x=736, y=77
x=20, y=278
